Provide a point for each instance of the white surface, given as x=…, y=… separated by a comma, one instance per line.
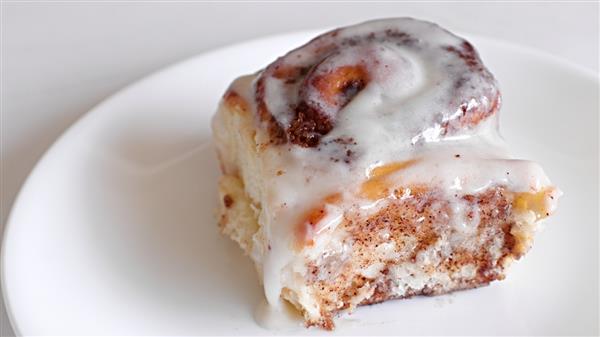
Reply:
x=61, y=59
x=114, y=231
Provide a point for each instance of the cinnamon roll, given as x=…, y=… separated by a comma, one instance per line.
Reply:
x=366, y=165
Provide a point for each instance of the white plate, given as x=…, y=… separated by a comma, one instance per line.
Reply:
x=113, y=232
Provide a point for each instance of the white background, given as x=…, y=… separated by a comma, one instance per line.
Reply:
x=60, y=59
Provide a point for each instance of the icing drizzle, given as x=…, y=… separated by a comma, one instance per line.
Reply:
x=394, y=64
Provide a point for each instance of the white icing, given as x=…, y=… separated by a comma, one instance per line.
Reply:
x=398, y=116
x=280, y=317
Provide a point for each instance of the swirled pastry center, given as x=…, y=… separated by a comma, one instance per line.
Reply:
x=401, y=77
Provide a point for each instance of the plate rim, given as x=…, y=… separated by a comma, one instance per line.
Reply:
x=87, y=116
